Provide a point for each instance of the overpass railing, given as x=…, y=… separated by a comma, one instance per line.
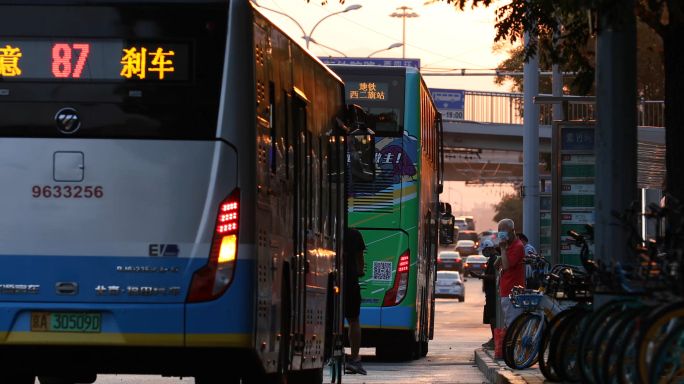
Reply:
x=507, y=108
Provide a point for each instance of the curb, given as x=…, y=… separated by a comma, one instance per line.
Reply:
x=497, y=372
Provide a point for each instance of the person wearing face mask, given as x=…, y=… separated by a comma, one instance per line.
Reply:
x=511, y=266
x=489, y=283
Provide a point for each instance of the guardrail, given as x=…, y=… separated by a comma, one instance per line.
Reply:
x=507, y=108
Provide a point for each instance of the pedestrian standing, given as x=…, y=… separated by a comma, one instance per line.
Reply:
x=354, y=264
x=511, y=266
x=489, y=283
x=529, y=251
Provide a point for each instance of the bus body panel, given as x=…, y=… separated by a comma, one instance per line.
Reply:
x=139, y=238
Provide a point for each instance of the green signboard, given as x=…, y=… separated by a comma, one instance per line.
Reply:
x=574, y=166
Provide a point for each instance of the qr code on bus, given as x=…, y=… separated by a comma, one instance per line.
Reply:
x=382, y=270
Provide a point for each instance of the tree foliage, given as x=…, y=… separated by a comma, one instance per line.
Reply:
x=577, y=22
x=510, y=207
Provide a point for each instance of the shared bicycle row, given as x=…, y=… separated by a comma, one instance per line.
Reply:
x=606, y=321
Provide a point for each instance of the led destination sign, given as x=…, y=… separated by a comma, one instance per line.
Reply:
x=366, y=91
x=92, y=60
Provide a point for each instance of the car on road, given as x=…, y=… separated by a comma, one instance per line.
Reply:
x=461, y=224
x=471, y=222
x=450, y=284
x=469, y=235
x=475, y=263
x=490, y=235
x=466, y=248
x=449, y=260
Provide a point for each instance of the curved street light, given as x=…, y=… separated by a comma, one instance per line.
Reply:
x=403, y=16
x=325, y=46
x=395, y=45
x=349, y=8
x=280, y=13
x=306, y=37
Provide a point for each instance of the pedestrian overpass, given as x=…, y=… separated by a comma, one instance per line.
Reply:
x=486, y=145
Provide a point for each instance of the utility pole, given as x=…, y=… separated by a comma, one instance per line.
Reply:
x=531, y=218
x=616, y=131
x=404, y=15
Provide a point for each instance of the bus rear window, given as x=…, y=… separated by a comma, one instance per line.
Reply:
x=128, y=70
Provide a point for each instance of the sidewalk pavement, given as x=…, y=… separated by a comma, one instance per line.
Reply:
x=498, y=372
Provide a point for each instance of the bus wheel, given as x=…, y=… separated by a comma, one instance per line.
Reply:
x=18, y=378
x=424, y=348
x=83, y=378
x=216, y=379
x=306, y=376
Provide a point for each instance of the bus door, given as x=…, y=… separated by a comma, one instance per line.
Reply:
x=302, y=185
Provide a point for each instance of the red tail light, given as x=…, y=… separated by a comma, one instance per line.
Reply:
x=457, y=283
x=484, y=265
x=467, y=265
x=439, y=259
x=395, y=295
x=212, y=280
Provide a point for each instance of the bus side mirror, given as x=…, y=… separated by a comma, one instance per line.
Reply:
x=362, y=154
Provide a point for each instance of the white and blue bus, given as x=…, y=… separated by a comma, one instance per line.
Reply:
x=172, y=197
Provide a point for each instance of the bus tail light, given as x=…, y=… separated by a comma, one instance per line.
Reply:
x=395, y=295
x=212, y=280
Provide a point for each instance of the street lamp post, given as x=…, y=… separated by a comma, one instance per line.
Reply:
x=306, y=37
x=349, y=8
x=403, y=16
x=395, y=45
x=325, y=46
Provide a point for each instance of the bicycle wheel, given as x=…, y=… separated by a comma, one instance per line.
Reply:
x=597, y=324
x=507, y=348
x=661, y=321
x=608, y=363
x=527, y=339
x=566, y=344
x=546, y=352
x=668, y=360
x=627, y=370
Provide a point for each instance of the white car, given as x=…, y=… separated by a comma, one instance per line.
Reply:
x=461, y=224
x=490, y=235
x=450, y=284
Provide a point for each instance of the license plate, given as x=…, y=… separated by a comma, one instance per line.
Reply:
x=66, y=322
x=447, y=265
x=466, y=249
x=443, y=291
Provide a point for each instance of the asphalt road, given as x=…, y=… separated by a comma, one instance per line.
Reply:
x=458, y=332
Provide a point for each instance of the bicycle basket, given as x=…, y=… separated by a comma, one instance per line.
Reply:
x=526, y=300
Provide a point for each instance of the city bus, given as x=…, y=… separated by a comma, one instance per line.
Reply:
x=173, y=194
x=397, y=209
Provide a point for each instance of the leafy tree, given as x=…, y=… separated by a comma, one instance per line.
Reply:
x=543, y=17
x=650, y=68
x=510, y=207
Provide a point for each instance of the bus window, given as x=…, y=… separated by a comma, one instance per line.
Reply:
x=362, y=155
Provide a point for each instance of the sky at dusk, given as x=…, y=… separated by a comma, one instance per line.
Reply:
x=444, y=38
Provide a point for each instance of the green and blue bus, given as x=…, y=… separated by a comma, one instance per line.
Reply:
x=397, y=210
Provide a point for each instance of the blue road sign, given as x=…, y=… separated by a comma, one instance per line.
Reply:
x=390, y=62
x=451, y=102
x=448, y=98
